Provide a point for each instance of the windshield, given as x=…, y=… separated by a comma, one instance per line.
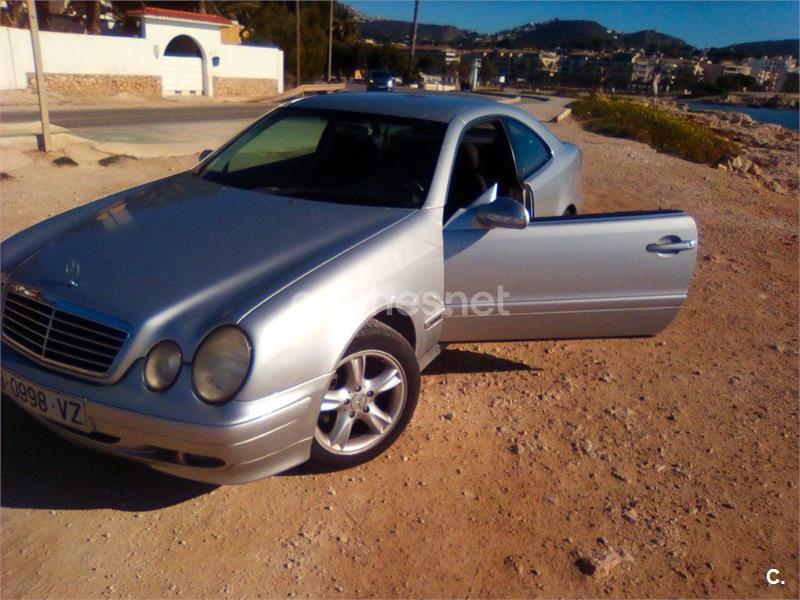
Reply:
x=379, y=75
x=334, y=156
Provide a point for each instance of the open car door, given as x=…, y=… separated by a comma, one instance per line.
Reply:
x=601, y=275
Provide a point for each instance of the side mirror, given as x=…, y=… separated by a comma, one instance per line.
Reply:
x=503, y=212
x=205, y=154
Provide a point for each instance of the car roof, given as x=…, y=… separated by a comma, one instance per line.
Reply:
x=441, y=107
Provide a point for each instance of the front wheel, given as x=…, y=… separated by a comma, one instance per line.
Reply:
x=370, y=400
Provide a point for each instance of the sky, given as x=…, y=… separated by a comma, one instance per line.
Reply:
x=702, y=23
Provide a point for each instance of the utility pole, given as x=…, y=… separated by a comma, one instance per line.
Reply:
x=47, y=142
x=296, y=39
x=413, y=42
x=330, y=39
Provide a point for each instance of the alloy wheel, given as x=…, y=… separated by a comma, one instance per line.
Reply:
x=363, y=403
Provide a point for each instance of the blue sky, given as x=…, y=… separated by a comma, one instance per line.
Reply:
x=701, y=23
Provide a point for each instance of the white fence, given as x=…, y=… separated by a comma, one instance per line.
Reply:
x=80, y=54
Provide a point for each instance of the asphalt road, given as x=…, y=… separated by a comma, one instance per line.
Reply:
x=88, y=118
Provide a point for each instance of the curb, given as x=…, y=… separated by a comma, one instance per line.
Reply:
x=567, y=112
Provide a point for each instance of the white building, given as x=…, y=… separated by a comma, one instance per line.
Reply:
x=178, y=52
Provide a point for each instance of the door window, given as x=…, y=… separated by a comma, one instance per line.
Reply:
x=530, y=151
x=483, y=159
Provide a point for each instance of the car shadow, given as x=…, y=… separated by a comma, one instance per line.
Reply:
x=39, y=470
x=453, y=360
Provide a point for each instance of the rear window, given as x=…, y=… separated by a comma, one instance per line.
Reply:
x=334, y=156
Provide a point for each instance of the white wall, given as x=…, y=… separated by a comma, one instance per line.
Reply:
x=74, y=54
x=71, y=53
x=159, y=32
x=250, y=61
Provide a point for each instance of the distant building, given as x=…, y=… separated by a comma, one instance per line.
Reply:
x=447, y=56
x=771, y=72
x=734, y=68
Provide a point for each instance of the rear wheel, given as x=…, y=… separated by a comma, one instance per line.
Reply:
x=370, y=400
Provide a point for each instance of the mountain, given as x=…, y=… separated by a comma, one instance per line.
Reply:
x=568, y=34
x=400, y=31
x=557, y=33
x=758, y=49
x=650, y=39
x=565, y=34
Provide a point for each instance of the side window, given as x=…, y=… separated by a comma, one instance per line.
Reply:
x=530, y=150
x=483, y=159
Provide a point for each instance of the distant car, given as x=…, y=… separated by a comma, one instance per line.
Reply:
x=277, y=303
x=380, y=80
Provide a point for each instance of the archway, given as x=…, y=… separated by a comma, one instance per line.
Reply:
x=183, y=67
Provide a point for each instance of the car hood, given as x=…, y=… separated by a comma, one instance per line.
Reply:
x=186, y=246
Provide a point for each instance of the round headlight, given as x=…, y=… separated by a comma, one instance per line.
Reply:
x=162, y=365
x=221, y=364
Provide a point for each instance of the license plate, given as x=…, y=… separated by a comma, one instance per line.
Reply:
x=41, y=401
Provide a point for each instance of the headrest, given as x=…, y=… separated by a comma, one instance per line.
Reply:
x=469, y=154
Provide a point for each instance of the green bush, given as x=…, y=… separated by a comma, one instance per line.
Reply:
x=663, y=130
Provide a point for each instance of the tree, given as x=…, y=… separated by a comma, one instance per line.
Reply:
x=489, y=70
x=273, y=22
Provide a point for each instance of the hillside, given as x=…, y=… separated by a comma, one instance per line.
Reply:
x=651, y=39
x=400, y=31
x=566, y=34
x=757, y=49
x=558, y=34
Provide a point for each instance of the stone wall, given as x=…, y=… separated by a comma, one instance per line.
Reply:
x=141, y=85
x=244, y=86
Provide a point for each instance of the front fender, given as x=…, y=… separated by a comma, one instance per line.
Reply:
x=301, y=332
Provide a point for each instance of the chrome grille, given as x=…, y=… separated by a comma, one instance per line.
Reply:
x=60, y=337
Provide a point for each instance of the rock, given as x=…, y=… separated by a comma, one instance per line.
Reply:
x=721, y=167
x=603, y=563
x=630, y=515
x=516, y=563
x=617, y=474
x=585, y=445
x=449, y=416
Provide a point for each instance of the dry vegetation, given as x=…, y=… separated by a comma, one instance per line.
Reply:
x=662, y=129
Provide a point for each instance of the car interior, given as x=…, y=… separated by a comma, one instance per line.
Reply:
x=360, y=159
x=483, y=159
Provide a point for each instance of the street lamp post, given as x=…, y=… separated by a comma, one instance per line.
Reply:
x=413, y=43
x=47, y=142
x=297, y=41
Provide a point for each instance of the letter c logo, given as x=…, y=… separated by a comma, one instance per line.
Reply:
x=774, y=580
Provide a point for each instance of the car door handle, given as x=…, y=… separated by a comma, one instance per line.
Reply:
x=668, y=247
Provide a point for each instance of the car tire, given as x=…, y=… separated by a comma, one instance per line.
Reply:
x=359, y=403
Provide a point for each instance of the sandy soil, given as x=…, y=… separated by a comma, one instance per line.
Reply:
x=671, y=461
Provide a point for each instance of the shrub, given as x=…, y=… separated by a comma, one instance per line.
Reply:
x=663, y=130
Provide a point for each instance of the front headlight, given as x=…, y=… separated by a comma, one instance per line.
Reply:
x=162, y=365
x=221, y=364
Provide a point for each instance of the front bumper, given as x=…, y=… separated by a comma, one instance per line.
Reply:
x=274, y=438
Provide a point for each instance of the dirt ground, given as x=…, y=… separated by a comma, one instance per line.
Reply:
x=676, y=457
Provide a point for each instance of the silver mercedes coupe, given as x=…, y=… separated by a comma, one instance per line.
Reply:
x=277, y=303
